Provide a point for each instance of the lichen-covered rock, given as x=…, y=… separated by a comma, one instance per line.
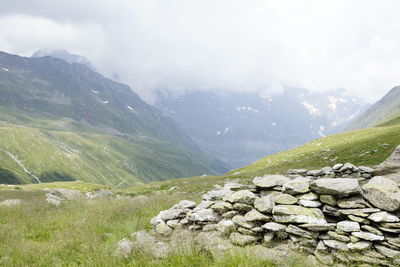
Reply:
x=294, y=230
x=255, y=215
x=328, y=199
x=204, y=215
x=239, y=220
x=185, y=204
x=163, y=229
x=368, y=236
x=348, y=226
x=285, y=199
x=356, y=202
x=371, y=229
x=274, y=227
x=270, y=181
x=124, y=248
x=382, y=193
x=226, y=227
x=170, y=214
x=221, y=207
x=384, y=217
x=298, y=185
x=359, y=246
x=336, y=186
x=390, y=253
x=391, y=166
x=309, y=196
x=310, y=203
x=339, y=237
x=319, y=227
x=341, y=246
x=241, y=196
x=297, y=214
x=242, y=207
x=242, y=240
x=265, y=204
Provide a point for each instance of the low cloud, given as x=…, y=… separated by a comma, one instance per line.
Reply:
x=221, y=45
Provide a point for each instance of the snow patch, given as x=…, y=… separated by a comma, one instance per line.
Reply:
x=94, y=92
x=4, y=69
x=129, y=107
x=105, y=102
x=247, y=108
x=274, y=124
x=333, y=102
x=311, y=109
x=219, y=132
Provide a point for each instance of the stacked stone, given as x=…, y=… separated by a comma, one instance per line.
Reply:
x=326, y=217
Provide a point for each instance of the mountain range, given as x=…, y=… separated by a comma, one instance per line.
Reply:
x=240, y=128
x=64, y=121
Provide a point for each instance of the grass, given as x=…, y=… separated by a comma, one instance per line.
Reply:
x=85, y=233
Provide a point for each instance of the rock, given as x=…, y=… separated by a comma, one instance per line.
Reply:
x=270, y=181
x=328, y=199
x=225, y=227
x=359, y=212
x=298, y=185
x=341, y=246
x=383, y=217
x=163, y=229
x=148, y=243
x=285, y=199
x=268, y=237
x=255, y=215
x=172, y=223
x=54, y=199
x=65, y=193
x=245, y=231
x=185, y=204
x=391, y=166
x=358, y=219
x=348, y=226
x=124, y=248
x=170, y=214
x=241, y=196
x=359, y=246
x=212, y=242
x=297, y=171
x=365, y=169
x=241, y=221
x=336, y=186
x=339, y=237
x=11, y=202
x=309, y=196
x=234, y=186
x=348, y=167
x=221, y=207
x=229, y=214
x=297, y=214
x=371, y=229
x=294, y=230
x=321, y=246
x=265, y=204
x=216, y=194
x=382, y=193
x=355, y=202
x=242, y=240
x=205, y=204
x=390, y=253
x=394, y=241
x=324, y=227
x=204, y=215
x=391, y=225
x=337, y=166
x=313, y=173
x=331, y=211
x=274, y=227
x=368, y=236
x=310, y=203
x=242, y=207
x=209, y=227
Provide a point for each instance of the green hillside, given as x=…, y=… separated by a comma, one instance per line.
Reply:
x=367, y=147
x=384, y=110
x=61, y=122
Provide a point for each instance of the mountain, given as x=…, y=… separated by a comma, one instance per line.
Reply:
x=62, y=121
x=384, y=110
x=239, y=128
x=65, y=55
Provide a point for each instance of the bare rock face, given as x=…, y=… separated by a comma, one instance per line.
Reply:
x=390, y=168
x=382, y=193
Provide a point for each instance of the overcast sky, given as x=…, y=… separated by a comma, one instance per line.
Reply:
x=242, y=45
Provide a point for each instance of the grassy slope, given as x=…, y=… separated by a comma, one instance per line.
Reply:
x=97, y=158
x=366, y=147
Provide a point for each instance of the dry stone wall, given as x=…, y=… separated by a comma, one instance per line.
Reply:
x=340, y=213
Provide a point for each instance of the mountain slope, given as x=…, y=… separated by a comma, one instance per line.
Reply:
x=382, y=111
x=67, y=107
x=240, y=128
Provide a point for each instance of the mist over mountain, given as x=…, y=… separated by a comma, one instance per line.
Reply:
x=239, y=128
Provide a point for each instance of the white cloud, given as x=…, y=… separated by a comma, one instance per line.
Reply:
x=226, y=44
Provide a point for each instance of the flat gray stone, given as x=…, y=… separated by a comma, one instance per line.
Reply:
x=299, y=185
x=348, y=226
x=382, y=193
x=297, y=214
x=242, y=240
x=368, y=236
x=241, y=196
x=384, y=217
x=270, y=181
x=336, y=186
x=265, y=204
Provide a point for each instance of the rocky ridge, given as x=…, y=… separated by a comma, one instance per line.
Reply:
x=342, y=213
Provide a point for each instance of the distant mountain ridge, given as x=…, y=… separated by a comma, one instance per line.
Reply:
x=71, y=107
x=240, y=128
x=386, y=109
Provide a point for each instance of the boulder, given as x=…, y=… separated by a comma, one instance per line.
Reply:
x=241, y=196
x=242, y=240
x=170, y=214
x=124, y=248
x=163, y=229
x=297, y=214
x=270, y=181
x=391, y=166
x=298, y=185
x=336, y=186
x=382, y=193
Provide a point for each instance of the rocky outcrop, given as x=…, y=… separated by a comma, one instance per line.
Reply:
x=391, y=166
x=324, y=212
